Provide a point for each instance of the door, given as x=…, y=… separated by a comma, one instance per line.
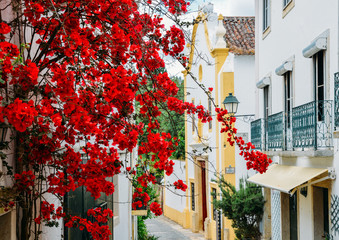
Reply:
x=293, y=217
x=203, y=192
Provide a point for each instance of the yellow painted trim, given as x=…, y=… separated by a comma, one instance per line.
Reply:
x=200, y=72
x=199, y=18
x=220, y=56
x=139, y=212
x=288, y=8
x=174, y=215
x=266, y=32
x=207, y=38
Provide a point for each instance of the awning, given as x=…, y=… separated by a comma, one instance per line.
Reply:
x=285, y=67
x=286, y=178
x=266, y=81
x=316, y=46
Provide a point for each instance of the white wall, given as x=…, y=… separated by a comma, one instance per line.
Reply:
x=176, y=198
x=123, y=222
x=289, y=35
x=244, y=90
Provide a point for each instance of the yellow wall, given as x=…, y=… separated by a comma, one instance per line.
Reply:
x=228, y=152
x=174, y=214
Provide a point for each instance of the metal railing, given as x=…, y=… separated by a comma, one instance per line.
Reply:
x=275, y=131
x=257, y=133
x=312, y=127
x=336, y=100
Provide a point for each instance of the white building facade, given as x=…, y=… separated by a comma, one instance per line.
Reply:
x=297, y=58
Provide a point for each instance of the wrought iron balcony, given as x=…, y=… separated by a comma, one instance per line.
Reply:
x=275, y=131
x=310, y=127
x=257, y=133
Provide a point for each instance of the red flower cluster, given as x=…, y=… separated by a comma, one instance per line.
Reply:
x=180, y=185
x=20, y=114
x=24, y=181
x=100, y=215
x=77, y=86
x=49, y=213
x=155, y=208
x=140, y=199
x=255, y=159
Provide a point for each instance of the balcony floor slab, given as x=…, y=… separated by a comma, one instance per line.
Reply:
x=300, y=153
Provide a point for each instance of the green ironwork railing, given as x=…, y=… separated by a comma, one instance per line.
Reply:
x=336, y=99
x=312, y=125
x=275, y=131
x=257, y=133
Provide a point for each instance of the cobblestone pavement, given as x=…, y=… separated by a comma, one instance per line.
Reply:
x=166, y=229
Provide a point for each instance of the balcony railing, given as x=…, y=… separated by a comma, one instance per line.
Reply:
x=257, y=133
x=312, y=127
x=275, y=131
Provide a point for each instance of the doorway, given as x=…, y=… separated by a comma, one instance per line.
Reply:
x=202, y=165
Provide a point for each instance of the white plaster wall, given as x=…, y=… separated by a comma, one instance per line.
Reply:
x=49, y=233
x=288, y=37
x=201, y=56
x=305, y=216
x=123, y=222
x=244, y=90
x=176, y=198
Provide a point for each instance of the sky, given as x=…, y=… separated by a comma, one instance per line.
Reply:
x=230, y=7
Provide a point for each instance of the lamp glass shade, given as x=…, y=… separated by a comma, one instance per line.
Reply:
x=231, y=104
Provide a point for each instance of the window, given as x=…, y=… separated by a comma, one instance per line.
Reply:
x=266, y=111
x=210, y=111
x=288, y=98
x=266, y=14
x=214, y=197
x=192, y=197
x=319, y=80
x=286, y=2
x=266, y=102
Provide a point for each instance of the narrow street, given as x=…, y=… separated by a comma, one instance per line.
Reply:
x=166, y=229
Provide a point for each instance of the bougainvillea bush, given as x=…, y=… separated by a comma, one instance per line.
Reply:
x=71, y=73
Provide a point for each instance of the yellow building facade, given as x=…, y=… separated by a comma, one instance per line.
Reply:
x=212, y=62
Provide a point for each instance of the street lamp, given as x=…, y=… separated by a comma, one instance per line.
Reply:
x=3, y=133
x=231, y=104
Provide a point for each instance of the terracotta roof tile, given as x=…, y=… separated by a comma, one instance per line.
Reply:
x=240, y=34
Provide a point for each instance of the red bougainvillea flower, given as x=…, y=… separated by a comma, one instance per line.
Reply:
x=180, y=185
x=155, y=208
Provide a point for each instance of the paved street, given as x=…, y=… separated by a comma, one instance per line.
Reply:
x=166, y=229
